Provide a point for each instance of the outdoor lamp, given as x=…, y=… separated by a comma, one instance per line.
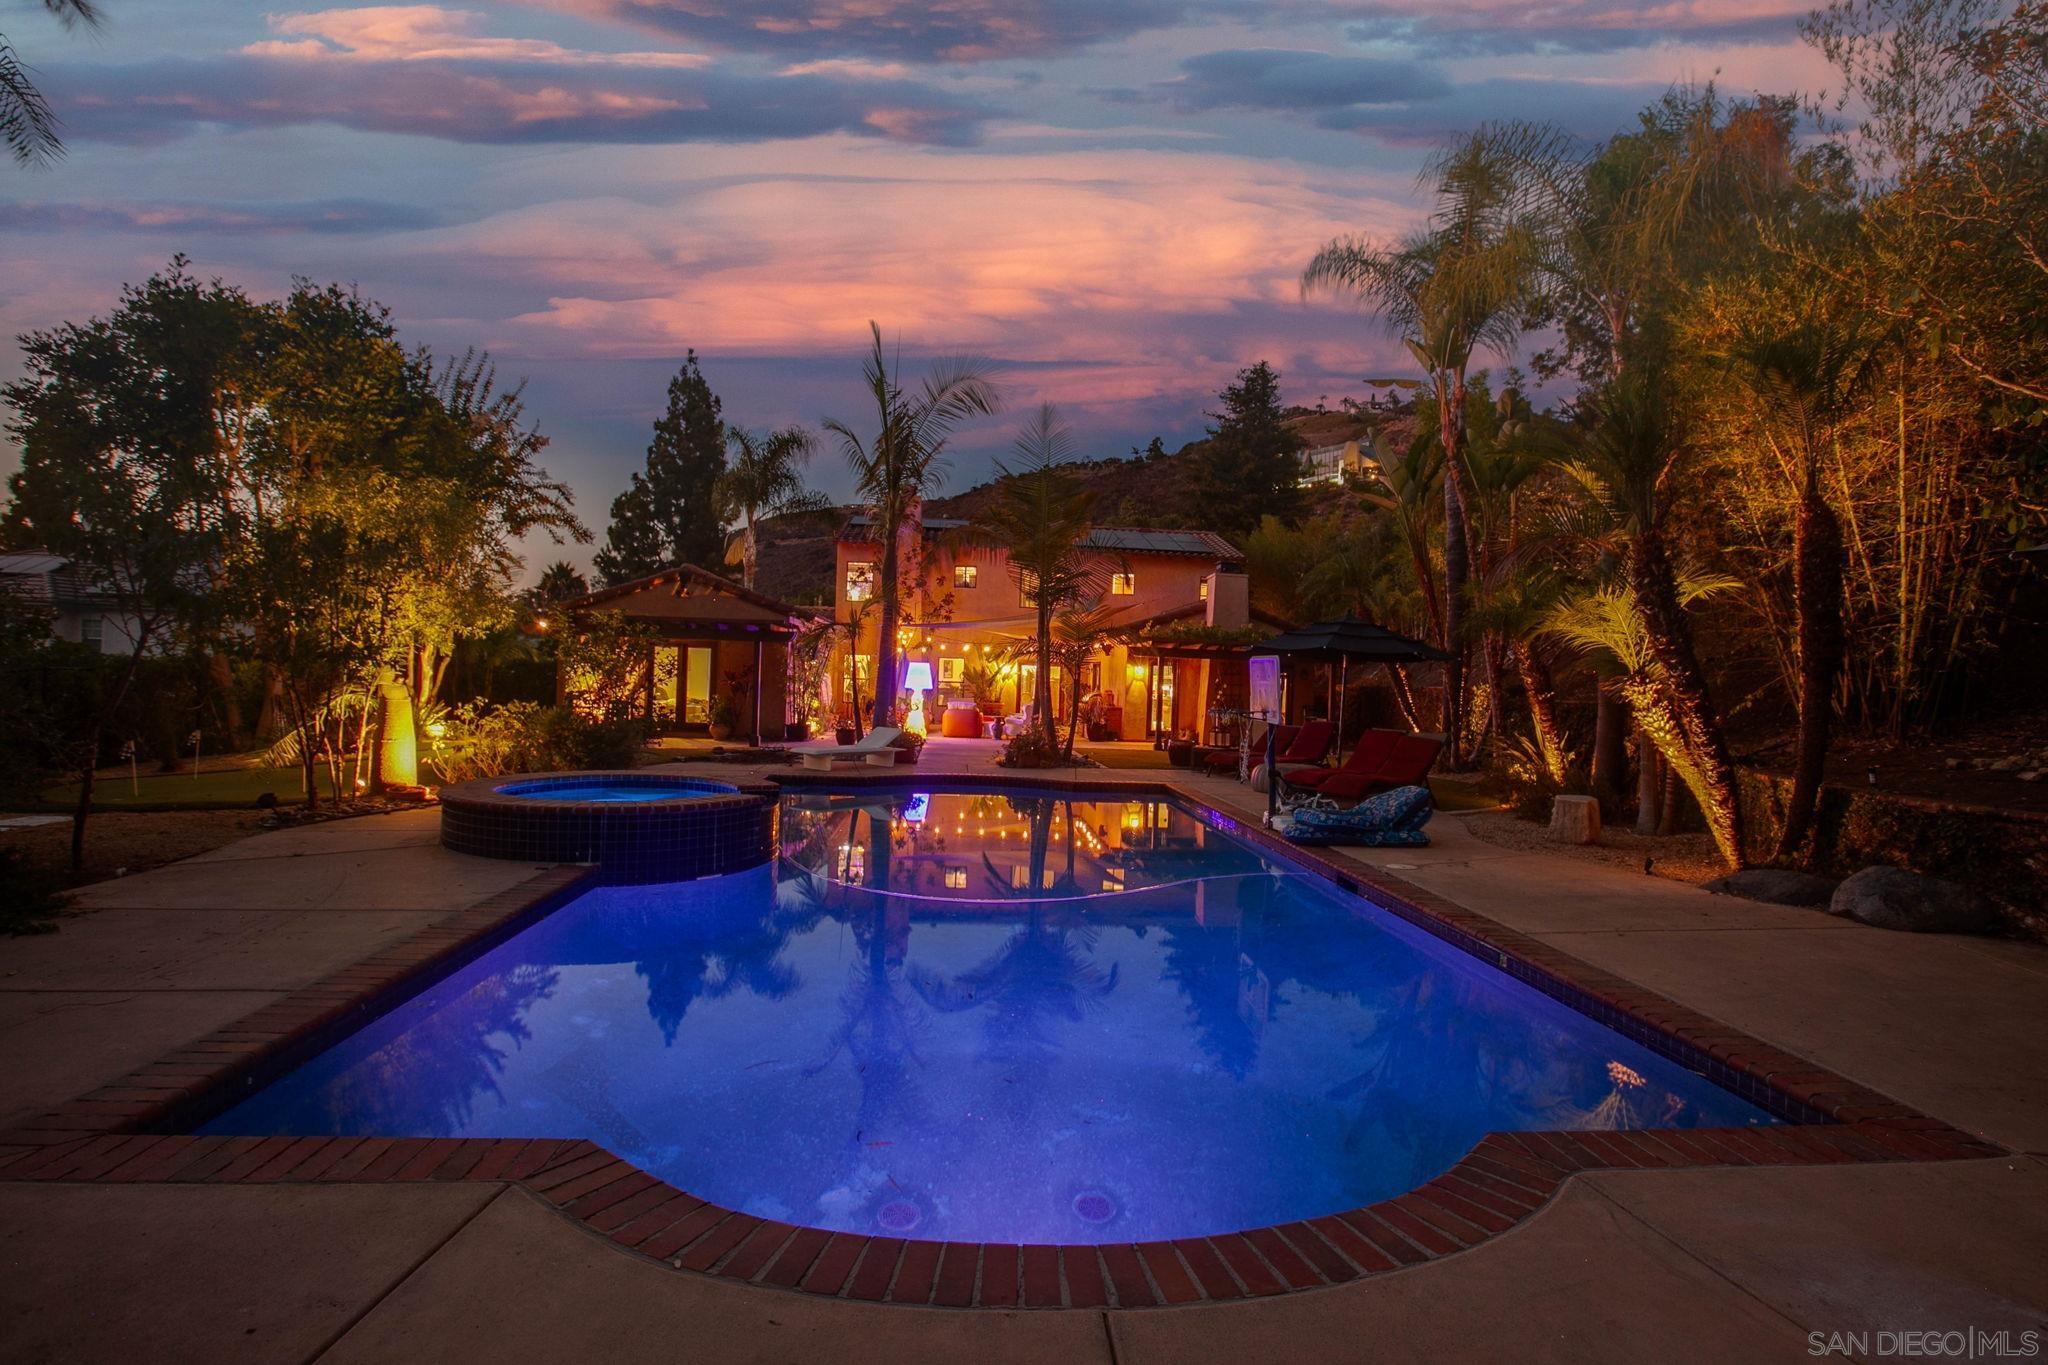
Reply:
x=918, y=678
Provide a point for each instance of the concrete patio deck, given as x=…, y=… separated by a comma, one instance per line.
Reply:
x=1722, y=1264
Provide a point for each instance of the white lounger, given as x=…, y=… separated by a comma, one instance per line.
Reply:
x=876, y=749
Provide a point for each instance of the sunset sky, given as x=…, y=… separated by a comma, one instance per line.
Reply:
x=1111, y=199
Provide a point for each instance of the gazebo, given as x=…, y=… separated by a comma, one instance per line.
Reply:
x=1344, y=640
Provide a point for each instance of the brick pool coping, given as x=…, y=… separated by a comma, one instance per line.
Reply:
x=127, y=1131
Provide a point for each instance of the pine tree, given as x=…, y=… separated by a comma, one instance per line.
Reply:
x=1250, y=467
x=672, y=513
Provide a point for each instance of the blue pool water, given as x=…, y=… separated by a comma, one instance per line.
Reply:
x=572, y=789
x=982, y=1017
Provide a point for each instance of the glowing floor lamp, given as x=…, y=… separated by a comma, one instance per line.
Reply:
x=918, y=678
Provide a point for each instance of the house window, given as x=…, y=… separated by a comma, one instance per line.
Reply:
x=956, y=878
x=1123, y=584
x=860, y=582
x=966, y=575
x=1027, y=584
x=952, y=668
x=1205, y=590
x=91, y=630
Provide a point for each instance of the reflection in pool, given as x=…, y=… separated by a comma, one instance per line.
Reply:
x=989, y=1017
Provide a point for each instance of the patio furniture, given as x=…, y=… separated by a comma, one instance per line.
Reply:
x=1293, y=746
x=1366, y=757
x=881, y=748
x=1393, y=819
x=1405, y=761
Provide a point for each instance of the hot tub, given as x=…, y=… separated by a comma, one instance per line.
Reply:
x=631, y=822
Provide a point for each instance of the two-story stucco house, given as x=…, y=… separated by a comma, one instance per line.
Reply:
x=966, y=618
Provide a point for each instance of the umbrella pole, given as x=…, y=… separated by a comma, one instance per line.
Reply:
x=1343, y=686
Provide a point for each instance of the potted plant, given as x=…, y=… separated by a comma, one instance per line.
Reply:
x=724, y=715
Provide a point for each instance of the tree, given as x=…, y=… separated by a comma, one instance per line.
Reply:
x=1806, y=382
x=897, y=467
x=26, y=119
x=1250, y=466
x=670, y=512
x=764, y=478
x=1042, y=514
x=1626, y=463
x=561, y=581
x=1466, y=281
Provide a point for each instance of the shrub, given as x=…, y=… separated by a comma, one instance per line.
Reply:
x=1030, y=750
x=476, y=740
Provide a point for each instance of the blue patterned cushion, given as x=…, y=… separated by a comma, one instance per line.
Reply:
x=1391, y=819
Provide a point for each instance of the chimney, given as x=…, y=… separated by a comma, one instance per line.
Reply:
x=1230, y=595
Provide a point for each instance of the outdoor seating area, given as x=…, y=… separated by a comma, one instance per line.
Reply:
x=1379, y=761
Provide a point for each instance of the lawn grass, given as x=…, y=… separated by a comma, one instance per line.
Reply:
x=225, y=788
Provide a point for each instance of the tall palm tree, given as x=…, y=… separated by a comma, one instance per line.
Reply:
x=1462, y=284
x=764, y=478
x=1626, y=463
x=1041, y=514
x=26, y=120
x=559, y=581
x=898, y=466
x=1806, y=381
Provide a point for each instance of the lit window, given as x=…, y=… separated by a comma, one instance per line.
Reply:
x=956, y=878
x=965, y=575
x=1027, y=584
x=1205, y=590
x=860, y=582
x=1123, y=584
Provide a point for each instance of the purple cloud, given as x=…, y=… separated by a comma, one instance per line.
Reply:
x=320, y=216
x=500, y=102
x=911, y=30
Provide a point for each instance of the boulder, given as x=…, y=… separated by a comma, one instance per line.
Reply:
x=1892, y=898
x=1778, y=886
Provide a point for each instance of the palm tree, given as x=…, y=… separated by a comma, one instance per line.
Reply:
x=1463, y=283
x=560, y=581
x=26, y=120
x=764, y=478
x=1041, y=514
x=1625, y=464
x=1805, y=382
x=1083, y=630
x=896, y=468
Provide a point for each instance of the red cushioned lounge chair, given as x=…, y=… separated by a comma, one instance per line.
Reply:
x=1407, y=764
x=1364, y=759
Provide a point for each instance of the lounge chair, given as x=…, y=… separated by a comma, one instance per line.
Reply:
x=1365, y=758
x=878, y=749
x=1383, y=759
x=1293, y=746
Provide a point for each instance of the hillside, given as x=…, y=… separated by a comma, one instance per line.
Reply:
x=797, y=555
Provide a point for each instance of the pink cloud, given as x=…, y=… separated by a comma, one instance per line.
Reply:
x=408, y=33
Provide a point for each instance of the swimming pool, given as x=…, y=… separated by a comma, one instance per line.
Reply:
x=989, y=1016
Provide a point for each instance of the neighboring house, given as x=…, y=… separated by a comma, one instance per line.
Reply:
x=81, y=611
x=966, y=617
x=1333, y=464
x=717, y=639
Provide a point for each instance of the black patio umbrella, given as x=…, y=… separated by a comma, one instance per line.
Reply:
x=1345, y=640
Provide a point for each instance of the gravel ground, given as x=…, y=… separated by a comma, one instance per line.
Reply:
x=117, y=841
x=1681, y=857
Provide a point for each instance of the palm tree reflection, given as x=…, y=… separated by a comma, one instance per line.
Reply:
x=426, y=1081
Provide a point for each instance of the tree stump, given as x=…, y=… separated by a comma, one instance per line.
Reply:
x=1575, y=820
